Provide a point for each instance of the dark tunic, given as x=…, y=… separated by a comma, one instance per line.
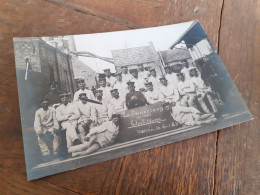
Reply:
x=135, y=99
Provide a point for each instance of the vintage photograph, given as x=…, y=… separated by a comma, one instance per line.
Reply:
x=89, y=98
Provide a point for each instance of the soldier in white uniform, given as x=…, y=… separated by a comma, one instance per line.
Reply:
x=153, y=96
x=120, y=85
x=87, y=115
x=185, y=69
x=83, y=89
x=46, y=127
x=188, y=115
x=141, y=71
x=170, y=76
x=116, y=103
x=98, y=137
x=154, y=78
x=109, y=78
x=67, y=114
x=139, y=82
x=203, y=91
x=170, y=92
x=126, y=76
x=102, y=109
x=104, y=88
x=187, y=91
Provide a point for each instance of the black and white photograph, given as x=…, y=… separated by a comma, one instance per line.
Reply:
x=89, y=98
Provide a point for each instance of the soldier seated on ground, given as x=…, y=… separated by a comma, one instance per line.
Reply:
x=153, y=96
x=98, y=137
x=186, y=90
x=204, y=92
x=67, y=114
x=46, y=128
x=189, y=116
x=169, y=92
x=116, y=103
x=87, y=115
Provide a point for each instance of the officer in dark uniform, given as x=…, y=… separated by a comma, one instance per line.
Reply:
x=134, y=99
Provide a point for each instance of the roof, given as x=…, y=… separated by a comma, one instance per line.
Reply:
x=191, y=36
x=172, y=55
x=136, y=55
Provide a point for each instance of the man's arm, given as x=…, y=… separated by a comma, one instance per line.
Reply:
x=61, y=117
x=76, y=113
x=191, y=88
x=55, y=122
x=37, y=123
x=176, y=94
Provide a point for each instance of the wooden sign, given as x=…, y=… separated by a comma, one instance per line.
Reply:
x=144, y=121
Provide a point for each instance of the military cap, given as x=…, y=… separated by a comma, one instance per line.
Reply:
x=133, y=70
x=112, y=90
x=63, y=95
x=148, y=83
x=191, y=68
x=162, y=78
x=118, y=74
x=83, y=96
x=107, y=69
x=44, y=100
x=130, y=83
x=179, y=74
x=116, y=115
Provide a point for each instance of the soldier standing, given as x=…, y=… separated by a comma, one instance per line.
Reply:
x=126, y=76
x=82, y=89
x=109, y=78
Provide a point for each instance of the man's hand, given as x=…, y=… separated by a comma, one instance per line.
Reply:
x=41, y=135
x=87, y=138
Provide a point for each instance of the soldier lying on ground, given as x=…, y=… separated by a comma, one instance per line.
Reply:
x=98, y=137
x=188, y=115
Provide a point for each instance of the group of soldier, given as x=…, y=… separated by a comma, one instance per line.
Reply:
x=91, y=120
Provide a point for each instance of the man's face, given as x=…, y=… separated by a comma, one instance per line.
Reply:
x=115, y=94
x=149, y=87
x=168, y=71
x=141, y=67
x=45, y=105
x=125, y=70
x=164, y=82
x=84, y=101
x=153, y=73
x=167, y=107
x=131, y=87
x=82, y=86
x=107, y=73
x=116, y=120
x=134, y=74
x=102, y=83
x=194, y=73
x=119, y=77
x=99, y=94
x=64, y=100
x=185, y=64
x=181, y=77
